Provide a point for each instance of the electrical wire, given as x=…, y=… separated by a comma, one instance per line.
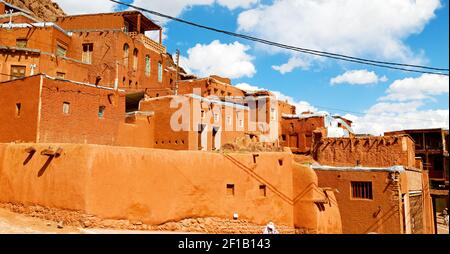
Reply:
x=382, y=64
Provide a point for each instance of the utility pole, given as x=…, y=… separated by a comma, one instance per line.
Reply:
x=176, y=78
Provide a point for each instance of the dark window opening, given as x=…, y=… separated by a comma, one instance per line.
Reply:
x=263, y=190
x=280, y=162
x=254, y=157
x=362, y=190
x=101, y=112
x=18, y=109
x=230, y=189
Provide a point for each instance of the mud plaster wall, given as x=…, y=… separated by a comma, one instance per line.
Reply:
x=154, y=186
x=21, y=127
x=382, y=214
x=368, y=151
x=307, y=215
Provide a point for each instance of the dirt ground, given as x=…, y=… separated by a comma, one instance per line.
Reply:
x=13, y=223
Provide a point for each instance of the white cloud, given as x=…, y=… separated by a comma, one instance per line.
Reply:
x=294, y=62
x=233, y=4
x=377, y=122
x=423, y=87
x=358, y=77
x=370, y=28
x=228, y=60
x=73, y=7
x=176, y=7
x=402, y=107
x=300, y=106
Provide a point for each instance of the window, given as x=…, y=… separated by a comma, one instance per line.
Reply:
x=216, y=117
x=61, y=51
x=135, y=59
x=88, y=48
x=18, y=71
x=66, y=108
x=18, y=109
x=125, y=55
x=230, y=189
x=272, y=114
x=21, y=43
x=229, y=120
x=101, y=112
x=160, y=72
x=362, y=190
x=60, y=75
x=147, y=65
x=262, y=190
x=202, y=114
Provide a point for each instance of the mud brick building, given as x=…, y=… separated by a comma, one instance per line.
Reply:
x=92, y=132
x=299, y=131
x=431, y=146
x=380, y=185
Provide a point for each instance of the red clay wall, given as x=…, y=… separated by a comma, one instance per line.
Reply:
x=381, y=215
x=82, y=124
x=308, y=216
x=23, y=127
x=151, y=185
x=368, y=151
x=297, y=134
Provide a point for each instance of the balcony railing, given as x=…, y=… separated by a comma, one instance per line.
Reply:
x=148, y=43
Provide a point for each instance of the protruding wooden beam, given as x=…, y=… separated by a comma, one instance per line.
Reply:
x=30, y=149
x=50, y=152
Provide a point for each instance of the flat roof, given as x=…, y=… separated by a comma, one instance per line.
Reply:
x=145, y=21
x=359, y=168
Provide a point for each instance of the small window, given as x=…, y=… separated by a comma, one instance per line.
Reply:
x=88, y=48
x=66, y=108
x=202, y=114
x=125, y=55
x=229, y=120
x=263, y=190
x=160, y=72
x=230, y=189
x=283, y=137
x=60, y=75
x=61, y=51
x=21, y=43
x=101, y=112
x=18, y=71
x=147, y=65
x=362, y=190
x=135, y=59
x=18, y=109
x=216, y=117
x=280, y=162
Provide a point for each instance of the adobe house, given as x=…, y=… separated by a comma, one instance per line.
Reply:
x=210, y=123
x=431, y=145
x=385, y=200
x=299, y=131
x=109, y=49
x=44, y=109
x=380, y=185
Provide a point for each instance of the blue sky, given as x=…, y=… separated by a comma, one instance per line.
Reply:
x=376, y=99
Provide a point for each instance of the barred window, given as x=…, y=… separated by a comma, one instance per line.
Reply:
x=362, y=190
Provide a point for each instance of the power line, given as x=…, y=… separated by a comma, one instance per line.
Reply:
x=382, y=64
